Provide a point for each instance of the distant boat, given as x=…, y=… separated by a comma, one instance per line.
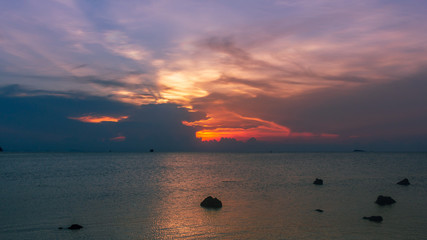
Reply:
x=358, y=150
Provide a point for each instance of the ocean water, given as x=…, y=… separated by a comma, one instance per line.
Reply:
x=264, y=196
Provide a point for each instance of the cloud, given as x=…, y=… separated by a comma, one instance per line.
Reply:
x=41, y=122
x=118, y=43
x=80, y=66
x=230, y=125
x=98, y=119
x=226, y=124
x=381, y=111
x=312, y=67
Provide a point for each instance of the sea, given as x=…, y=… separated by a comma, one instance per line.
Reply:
x=264, y=195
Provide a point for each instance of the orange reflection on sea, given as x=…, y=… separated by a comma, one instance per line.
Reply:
x=187, y=181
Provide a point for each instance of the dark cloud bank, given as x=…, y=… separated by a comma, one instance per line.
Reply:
x=34, y=120
x=41, y=123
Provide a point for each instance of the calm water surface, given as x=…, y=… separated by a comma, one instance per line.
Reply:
x=157, y=195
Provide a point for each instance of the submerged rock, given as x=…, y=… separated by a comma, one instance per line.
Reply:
x=211, y=202
x=318, y=210
x=75, y=227
x=374, y=218
x=1, y=149
x=318, y=181
x=404, y=182
x=384, y=200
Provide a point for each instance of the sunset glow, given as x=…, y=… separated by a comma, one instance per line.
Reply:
x=232, y=125
x=259, y=133
x=98, y=119
x=239, y=134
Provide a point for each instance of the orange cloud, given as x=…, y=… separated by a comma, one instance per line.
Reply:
x=98, y=119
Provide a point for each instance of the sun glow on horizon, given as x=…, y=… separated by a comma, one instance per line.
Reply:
x=260, y=133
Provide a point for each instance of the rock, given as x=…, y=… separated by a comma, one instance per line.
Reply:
x=404, y=182
x=75, y=227
x=60, y=228
x=151, y=150
x=384, y=200
x=374, y=218
x=211, y=202
x=1, y=149
x=318, y=181
x=318, y=210
x=358, y=150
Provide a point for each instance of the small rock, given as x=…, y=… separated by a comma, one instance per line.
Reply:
x=318, y=181
x=318, y=210
x=404, y=182
x=358, y=150
x=75, y=227
x=211, y=202
x=60, y=228
x=384, y=200
x=374, y=218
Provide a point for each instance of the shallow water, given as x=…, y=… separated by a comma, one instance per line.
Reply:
x=157, y=195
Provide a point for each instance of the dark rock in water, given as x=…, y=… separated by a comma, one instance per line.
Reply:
x=1, y=149
x=318, y=210
x=374, y=218
x=151, y=150
x=318, y=181
x=404, y=182
x=75, y=227
x=60, y=228
x=211, y=202
x=358, y=150
x=384, y=200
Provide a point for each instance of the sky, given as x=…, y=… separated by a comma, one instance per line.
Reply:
x=188, y=75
